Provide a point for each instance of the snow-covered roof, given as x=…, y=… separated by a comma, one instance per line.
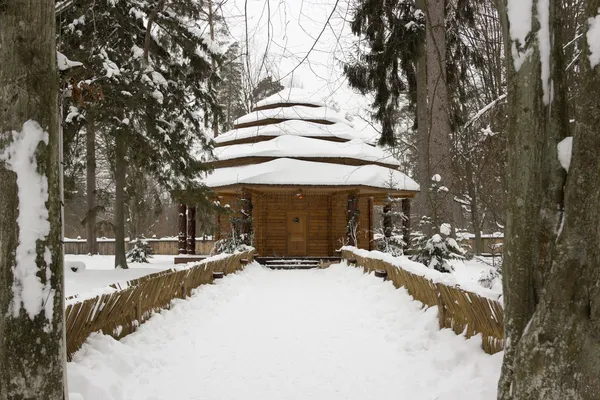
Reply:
x=294, y=112
x=290, y=96
x=286, y=171
x=297, y=128
x=298, y=146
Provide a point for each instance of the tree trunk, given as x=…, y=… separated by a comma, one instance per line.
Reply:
x=474, y=205
x=422, y=201
x=182, y=228
x=406, y=221
x=32, y=345
x=120, y=166
x=440, y=131
x=191, y=230
x=211, y=24
x=535, y=201
x=90, y=160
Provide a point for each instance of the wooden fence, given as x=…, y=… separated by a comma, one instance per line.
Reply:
x=120, y=313
x=159, y=246
x=460, y=310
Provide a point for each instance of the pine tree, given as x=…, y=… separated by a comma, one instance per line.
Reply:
x=230, y=88
x=392, y=31
x=154, y=69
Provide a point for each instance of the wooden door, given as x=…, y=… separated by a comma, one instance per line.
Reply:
x=296, y=233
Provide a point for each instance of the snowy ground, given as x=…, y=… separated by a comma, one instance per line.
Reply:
x=275, y=335
x=100, y=272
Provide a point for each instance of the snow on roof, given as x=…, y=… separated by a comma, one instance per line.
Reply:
x=298, y=146
x=294, y=112
x=298, y=128
x=286, y=171
x=291, y=96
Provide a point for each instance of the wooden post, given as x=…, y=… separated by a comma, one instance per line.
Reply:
x=329, y=225
x=406, y=221
x=191, y=230
x=352, y=219
x=182, y=225
x=370, y=233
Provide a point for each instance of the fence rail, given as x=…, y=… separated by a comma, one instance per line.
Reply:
x=120, y=313
x=159, y=246
x=460, y=310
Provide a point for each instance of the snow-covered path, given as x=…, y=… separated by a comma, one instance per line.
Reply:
x=275, y=335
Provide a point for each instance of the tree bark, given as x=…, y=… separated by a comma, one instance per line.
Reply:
x=534, y=210
x=440, y=131
x=32, y=345
x=90, y=160
x=120, y=166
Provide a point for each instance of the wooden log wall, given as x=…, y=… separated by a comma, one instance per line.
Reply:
x=120, y=313
x=458, y=309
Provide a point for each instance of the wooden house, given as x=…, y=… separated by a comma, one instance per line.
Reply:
x=304, y=178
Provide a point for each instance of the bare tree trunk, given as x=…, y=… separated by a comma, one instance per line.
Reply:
x=90, y=159
x=120, y=166
x=440, y=131
x=32, y=344
x=535, y=200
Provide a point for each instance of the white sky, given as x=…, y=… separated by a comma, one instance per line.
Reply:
x=289, y=33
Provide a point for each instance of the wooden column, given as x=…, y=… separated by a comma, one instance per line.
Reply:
x=352, y=219
x=370, y=232
x=329, y=225
x=182, y=228
x=191, y=230
x=406, y=221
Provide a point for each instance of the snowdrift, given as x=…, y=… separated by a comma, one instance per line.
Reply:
x=119, y=312
x=461, y=310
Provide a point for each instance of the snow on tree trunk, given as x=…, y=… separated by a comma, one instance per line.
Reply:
x=120, y=166
x=440, y=131
x=32, y=348
x=551, y=318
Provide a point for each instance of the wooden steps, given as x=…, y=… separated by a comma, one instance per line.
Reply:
x=296, y=262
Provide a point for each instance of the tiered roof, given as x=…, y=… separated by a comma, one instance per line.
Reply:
x=292, y=140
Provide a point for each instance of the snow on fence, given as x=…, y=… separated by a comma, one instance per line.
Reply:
x=119, y=312
x=460, y=310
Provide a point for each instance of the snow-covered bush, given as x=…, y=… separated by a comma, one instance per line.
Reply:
x=236, y=243
x=492, y=277
x=140, y=252
x=393, y=245
x=436, y=251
